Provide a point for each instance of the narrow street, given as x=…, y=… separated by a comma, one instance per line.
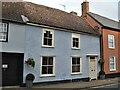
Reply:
x=115, y=86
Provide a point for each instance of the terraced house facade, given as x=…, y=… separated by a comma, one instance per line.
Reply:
x=109, y=40
x=63, y=45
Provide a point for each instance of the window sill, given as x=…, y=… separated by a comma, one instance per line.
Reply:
x=111, y=47
x=76, y=73
x=113, y=70
x=45, y=46
x=75, y=48
x=47, y=75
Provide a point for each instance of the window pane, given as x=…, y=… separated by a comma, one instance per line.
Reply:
x=47, y=65
x=112, y=63
x=78, y=60
x=3, y=31
x=45, y=41
x=111, y=66
x=50, y=60
x=50, y=70
x=48, y=33
x=77, y=39
x=45, y=34
x=4, y=37
x=50, y=42
x=73, y=39
x=78, y=68
x=77, y=44
x=75, y=64
x=50, y=36
x=44, y=70
x=73, y=60
x=111, y=40
x=74, y=44
x=75, y=68
x=44, y=61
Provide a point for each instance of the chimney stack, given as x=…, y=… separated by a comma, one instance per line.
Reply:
x=85, y=8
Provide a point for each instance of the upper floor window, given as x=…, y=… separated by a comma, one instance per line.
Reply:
x=48, y=38
x=111, y=41
x=47, y=66
x=76, y=65
x=75, y=41
x=112, y=63
x=3, y=31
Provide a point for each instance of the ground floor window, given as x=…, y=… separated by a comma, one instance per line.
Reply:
x=76, y=65
x=47, y=66
x=112, y=63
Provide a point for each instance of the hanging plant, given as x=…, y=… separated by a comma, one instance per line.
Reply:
x=30, y=61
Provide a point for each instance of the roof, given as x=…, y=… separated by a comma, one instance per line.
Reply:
x=106, y=22
x=43, y=15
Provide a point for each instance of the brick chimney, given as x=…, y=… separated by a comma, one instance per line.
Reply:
x=85, y=8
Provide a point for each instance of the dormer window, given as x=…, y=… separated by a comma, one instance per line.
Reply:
x=3, y=31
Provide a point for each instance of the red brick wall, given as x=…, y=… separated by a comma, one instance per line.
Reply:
x=92, y=22
x=107, y=52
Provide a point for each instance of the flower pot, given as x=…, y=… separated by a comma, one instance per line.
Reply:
x=29, y=80
x=29, y=83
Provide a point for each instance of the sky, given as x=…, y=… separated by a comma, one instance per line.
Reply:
x=107, y=8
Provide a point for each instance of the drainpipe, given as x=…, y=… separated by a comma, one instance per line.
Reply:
x=101, y=49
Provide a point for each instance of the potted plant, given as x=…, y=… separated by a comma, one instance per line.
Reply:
x=30, y=61
x=102, y=75
x=29, y=80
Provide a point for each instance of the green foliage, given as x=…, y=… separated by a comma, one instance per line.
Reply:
x=31, y=62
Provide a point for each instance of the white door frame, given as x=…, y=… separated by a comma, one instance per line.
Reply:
x=95, y=66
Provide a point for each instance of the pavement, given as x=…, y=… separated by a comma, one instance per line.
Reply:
x=74, y=85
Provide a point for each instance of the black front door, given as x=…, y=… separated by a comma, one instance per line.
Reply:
x=12, y=66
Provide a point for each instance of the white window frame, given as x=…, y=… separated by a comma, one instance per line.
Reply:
x=80, y=65
x=3, y=31
x=112, y=63
x=46, y=75
x=109, y=41
x=51, y=31
x=74, y=35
